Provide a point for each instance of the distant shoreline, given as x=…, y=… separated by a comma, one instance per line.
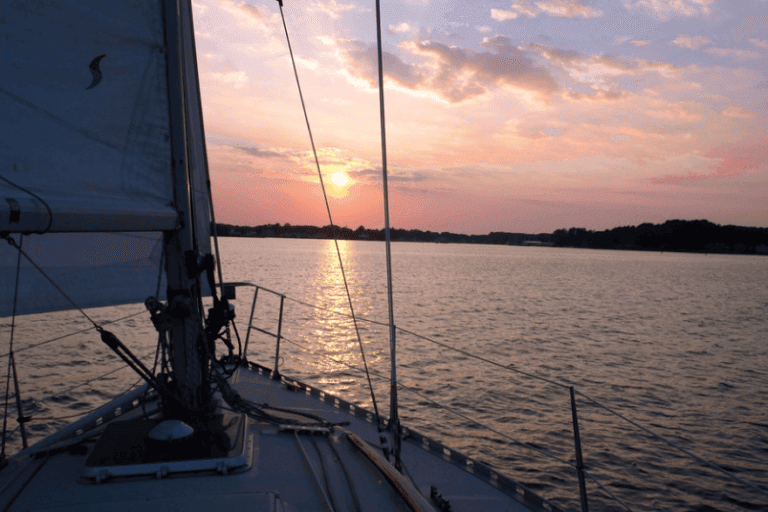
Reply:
x=699, y=236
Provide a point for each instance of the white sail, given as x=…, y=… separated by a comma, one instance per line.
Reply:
x=86, y=147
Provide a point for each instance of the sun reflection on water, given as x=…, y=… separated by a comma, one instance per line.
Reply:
x=332, y=338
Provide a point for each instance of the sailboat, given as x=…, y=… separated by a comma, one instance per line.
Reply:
x=107, y=201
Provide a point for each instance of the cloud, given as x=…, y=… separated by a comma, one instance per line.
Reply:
x=737, y=112
x=483, y=29
x=597, y=96
x=568, y=9
x=600, y=71
x=733, y=53
x=502, y=15
x=558, y=8
x=749, y=26
x=729, y=159
x=246, y=13
x=641, y=43
x=452, y=73
x=666, y=9
x=332, y=8
x=760, y=43
x=261, y=153
x=675, y=113
x=363, y=59
x=238, y=79
x=691, y=42
x=400, y=28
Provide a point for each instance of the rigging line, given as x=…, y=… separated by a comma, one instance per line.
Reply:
x=160, y=273
x=85, y=383
x=205, y=158
x=12, y=360
x=393, y=420
x=327, y=206
x=441, y=406
x=587, y=397
x=72, y=334
x=470, y=354
x=12, y=242
x=604, y=489
x=520, y=443
x=675, y=445
x=321, y=308
x=5, y=415
x=50, y=212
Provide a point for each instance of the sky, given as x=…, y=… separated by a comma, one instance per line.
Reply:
x=510, y=115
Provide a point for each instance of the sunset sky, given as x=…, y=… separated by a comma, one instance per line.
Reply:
x=508, y=115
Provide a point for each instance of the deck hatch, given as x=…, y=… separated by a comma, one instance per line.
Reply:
x=125, y=449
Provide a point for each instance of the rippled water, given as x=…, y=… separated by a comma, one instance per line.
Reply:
x=676, y=342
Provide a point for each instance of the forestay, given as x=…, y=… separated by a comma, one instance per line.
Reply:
x=86, y=151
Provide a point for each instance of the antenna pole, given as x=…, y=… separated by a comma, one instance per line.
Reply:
x=394, y=421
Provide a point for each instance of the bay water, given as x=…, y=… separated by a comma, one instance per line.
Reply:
x=676, y=343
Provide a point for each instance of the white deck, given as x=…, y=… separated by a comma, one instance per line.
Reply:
x=288, y=471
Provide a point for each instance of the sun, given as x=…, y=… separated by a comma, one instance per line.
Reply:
x=339, y=179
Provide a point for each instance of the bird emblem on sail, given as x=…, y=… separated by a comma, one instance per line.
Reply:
x=95, y=71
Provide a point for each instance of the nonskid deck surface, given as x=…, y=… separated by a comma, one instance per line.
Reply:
x=288, y=469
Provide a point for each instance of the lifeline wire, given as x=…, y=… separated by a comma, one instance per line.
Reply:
x=327, y=207
x=467, y=418
x=549, y=381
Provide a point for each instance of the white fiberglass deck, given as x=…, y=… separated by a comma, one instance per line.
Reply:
x=286, y=470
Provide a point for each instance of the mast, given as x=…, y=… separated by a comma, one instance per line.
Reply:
x=188, y=361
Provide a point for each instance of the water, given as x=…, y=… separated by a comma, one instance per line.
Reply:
x=675, y=342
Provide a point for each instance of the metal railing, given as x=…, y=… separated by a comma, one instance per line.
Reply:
x=579, y=465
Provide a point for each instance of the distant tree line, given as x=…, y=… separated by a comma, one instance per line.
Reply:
x=673, y=235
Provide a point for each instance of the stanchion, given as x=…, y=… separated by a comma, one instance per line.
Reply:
x=579, y=460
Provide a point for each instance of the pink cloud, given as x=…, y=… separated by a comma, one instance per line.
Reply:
x=735, y=158
x=691, y=42
x=558, y=8
x=666, y=9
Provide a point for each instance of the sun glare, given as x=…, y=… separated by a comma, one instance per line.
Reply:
x=339, y=179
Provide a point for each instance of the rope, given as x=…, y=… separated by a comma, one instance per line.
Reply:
x=259, y=411
x=327, y=207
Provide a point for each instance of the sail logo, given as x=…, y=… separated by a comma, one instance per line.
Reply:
x=95, y=71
